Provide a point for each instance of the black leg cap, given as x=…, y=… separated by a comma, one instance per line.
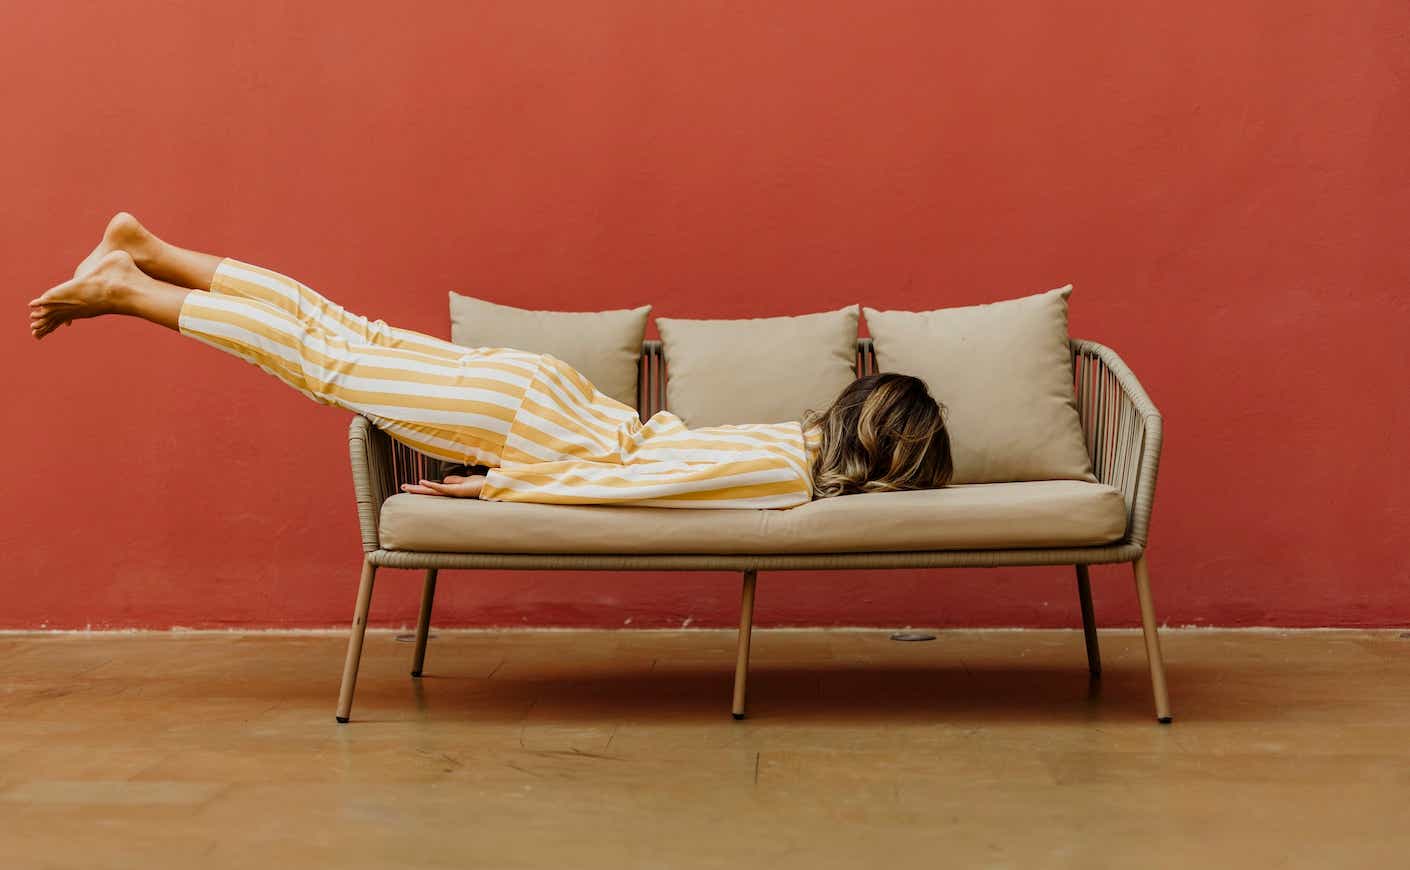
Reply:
x=416, y=673
x=737, y=715
x=342, y=720
x=1164, y=720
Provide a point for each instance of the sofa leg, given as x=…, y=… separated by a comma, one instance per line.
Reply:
x=1153, y=656
x=359, y=628
x=746, y=628
x=1089, y=621
x=423, y=622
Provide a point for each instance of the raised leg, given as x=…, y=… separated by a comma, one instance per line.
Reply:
x=1148, y=625
x=1089, y=621
x=182, y=268
x=423, y=622
x=359, y=628
x=746, y=628
x=162, y=260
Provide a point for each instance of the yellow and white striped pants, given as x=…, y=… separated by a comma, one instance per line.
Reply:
x=547, y=434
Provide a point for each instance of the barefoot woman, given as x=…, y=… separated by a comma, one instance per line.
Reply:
x=543, y=431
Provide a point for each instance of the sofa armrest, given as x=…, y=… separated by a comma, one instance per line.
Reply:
x=1122, y=428
x=379, y=467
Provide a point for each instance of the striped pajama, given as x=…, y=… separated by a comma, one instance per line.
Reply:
x=546, y=433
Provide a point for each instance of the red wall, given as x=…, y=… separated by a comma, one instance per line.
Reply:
x=1225, y=182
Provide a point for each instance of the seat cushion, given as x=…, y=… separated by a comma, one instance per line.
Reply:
x=1004, y=373
x=604, y=345
x=757, y=370
x=1049, y=513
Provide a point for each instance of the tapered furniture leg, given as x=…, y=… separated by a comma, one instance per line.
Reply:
x=746, y=627
x=1089, y=621
x=423, y=622
x=1157, y=663
x=359, y=628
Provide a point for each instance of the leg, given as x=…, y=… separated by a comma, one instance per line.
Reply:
x=1153, y=657
x=162, y=260
x=196, y=270
x=423, y=622
x=359, y=628
x=746, y=628
x=448, y=402
x=455, y=405
x=1089, y=621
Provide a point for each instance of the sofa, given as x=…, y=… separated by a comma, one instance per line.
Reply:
x=1098, y=513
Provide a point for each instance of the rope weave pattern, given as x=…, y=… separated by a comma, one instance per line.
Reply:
x=1123, y=430
x=651, y=384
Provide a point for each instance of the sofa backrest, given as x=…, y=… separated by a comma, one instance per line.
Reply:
x=651, y=372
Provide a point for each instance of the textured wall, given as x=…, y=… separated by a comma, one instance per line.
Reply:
x=1226, y=183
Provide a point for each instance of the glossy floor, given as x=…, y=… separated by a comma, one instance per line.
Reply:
x=616, y=749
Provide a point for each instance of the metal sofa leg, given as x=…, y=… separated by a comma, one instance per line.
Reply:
x=359, y=628
x=1153, y=656
x=423, y=622
x=746, y=628
x=1089, y=621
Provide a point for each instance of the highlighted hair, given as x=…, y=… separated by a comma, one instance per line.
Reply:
x=884, y=432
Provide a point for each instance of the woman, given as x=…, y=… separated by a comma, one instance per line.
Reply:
x=542, y=431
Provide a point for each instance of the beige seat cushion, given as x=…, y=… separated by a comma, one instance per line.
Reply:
x=758, y=370
x=1054, y=513
x=604, y=345
x=1004, y=372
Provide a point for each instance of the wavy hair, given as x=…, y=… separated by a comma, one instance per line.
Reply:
x=884, y=432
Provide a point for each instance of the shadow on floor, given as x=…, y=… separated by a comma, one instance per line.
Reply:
x=800, y=695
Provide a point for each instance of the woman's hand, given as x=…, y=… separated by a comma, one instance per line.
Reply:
x=454, y=485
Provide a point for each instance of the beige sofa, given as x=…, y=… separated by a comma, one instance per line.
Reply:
x=1040, y=522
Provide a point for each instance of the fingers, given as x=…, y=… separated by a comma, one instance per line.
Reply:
x=429, y=487
x=454, y=485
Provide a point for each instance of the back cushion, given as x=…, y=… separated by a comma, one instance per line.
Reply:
x=604, y=345
x=760, y=370
x=1004, y=372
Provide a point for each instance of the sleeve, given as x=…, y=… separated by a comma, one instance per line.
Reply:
x=756, y=482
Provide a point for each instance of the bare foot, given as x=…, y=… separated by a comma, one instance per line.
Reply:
x=124, y=233
x=91, y=295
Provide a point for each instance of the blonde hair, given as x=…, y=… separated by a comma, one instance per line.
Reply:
x=883, y=432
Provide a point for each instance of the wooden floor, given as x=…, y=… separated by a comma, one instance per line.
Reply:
x=616, y=749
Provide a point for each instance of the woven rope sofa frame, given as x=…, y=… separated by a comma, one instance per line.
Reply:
x=1123, y=434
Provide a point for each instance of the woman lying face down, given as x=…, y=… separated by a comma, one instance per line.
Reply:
x=534, y=428
x=883, y=433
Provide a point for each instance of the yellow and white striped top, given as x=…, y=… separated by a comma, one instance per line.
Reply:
x=547, y=434
x=570, y=444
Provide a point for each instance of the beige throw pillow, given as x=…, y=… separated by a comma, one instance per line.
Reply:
x=604, y=345
x=758, y=370
x=1004, y=371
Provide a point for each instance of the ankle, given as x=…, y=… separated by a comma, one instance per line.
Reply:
x=117, y=297
x=126, y=233
x=116, y=291
x=148, y=252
